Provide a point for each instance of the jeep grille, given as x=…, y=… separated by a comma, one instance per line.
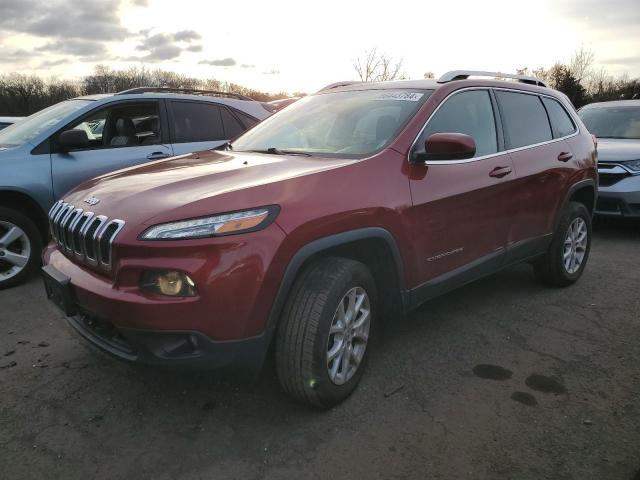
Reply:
x=83, y=235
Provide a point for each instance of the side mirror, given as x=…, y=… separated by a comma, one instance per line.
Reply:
x=446, y=146
x=71, y=139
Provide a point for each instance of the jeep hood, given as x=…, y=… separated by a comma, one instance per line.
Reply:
x=618, y=149
x=160, y=189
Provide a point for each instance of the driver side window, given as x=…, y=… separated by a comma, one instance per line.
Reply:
x=122, y=125
x=469, y=112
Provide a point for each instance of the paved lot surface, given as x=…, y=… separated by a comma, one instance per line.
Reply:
x=565, y=403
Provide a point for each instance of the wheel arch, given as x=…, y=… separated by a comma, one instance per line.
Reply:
x=373, y=246
x=27, y=205
x=585, y=191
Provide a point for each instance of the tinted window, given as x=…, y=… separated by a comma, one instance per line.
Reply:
x=470, y=113
x=247, y=120
x=196, y=122
x=232, y=127
x=524, y=119
x=4, y=125
x=611, y=122
x=121, y=125
x=561, y=122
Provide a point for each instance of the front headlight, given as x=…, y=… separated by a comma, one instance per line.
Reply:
x=218, y=225
x=633, y=165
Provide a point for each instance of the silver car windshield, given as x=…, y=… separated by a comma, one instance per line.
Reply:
x=29, y=128
x=612, y=122
x=349, y=124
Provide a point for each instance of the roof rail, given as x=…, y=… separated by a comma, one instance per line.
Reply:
x=464, y=74
x=187, y=91
x=339, y=84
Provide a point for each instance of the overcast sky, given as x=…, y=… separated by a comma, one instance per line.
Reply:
x=292, y=45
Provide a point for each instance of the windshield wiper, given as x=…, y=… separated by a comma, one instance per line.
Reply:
x=276, y=151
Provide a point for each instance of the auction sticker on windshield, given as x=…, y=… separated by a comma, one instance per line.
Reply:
x=405, y=96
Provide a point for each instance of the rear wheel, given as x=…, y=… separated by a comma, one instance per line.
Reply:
x=20, y=247
x=567, y=256
x=325, y=331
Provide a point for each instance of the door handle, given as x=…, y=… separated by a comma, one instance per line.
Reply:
x=158, y=155
x=500, y=172
x=565, y=156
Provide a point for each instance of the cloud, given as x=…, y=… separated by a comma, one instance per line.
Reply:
x=631, y=60
x=246, y=65
x=186, y=36
x=273, y=71
x=602, y=15
x=53, y=63
x=140, y=3
x=222, y=62
x=80, y=48
x=13, y=56
x=86, y=19
x=167, y=46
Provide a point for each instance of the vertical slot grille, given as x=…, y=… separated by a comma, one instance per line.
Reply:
x=83, y=234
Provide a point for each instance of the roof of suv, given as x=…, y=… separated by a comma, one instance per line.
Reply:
x=252, y=107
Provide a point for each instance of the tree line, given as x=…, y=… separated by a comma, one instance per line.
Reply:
x=22, y=95
x=577, y=78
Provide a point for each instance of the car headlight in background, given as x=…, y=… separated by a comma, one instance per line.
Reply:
x=217, y=225
x=171, y=283
x=633, y=165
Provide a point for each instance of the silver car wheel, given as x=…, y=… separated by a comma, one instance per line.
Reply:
x=348, y=335
x=575, y=245
x=15, y=250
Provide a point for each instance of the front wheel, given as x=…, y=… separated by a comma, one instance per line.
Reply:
x=20, y=247
x=325, y=331
x=567, y=256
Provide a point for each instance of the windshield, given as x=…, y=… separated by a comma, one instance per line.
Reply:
x=343, y=124
x=612, y=122
x=32, y=126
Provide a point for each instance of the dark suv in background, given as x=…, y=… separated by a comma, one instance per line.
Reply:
x=358, y=201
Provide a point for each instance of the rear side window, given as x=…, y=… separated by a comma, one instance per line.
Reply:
x=232, y=127
x=524, y=119
x=468, y=112
x=196, y=122
x=247, y=120
x=561, y=122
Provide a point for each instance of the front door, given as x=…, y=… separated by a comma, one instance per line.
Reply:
x=460, y=216
x=120, y=135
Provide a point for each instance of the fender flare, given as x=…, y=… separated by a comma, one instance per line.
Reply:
x=588, y=182
x=324, y=243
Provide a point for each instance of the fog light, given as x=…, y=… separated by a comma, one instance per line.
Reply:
x=171, y=283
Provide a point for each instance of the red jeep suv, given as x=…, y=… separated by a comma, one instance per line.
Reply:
x=360, y=200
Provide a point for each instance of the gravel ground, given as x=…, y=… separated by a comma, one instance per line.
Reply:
x=503, y=379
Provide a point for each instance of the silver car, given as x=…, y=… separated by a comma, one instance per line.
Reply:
x=47, y=154
x=6, y=121
x=616, y=126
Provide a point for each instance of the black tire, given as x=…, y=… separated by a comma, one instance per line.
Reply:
x=550, y=269
x=303, y=332
x=35, y=240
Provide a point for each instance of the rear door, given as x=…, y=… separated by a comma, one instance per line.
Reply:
x=122, y=134
x=201, y=125
x=541, y=158
x=460, y=215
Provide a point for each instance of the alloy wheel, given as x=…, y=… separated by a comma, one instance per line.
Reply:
x=575, y=245
x=348, y=335
x=15, y=250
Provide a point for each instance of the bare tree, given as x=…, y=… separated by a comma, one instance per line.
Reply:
x=429, y=75
x=378, y=67
x=580, y=64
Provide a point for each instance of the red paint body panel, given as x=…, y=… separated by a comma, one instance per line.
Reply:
x=429, y=210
